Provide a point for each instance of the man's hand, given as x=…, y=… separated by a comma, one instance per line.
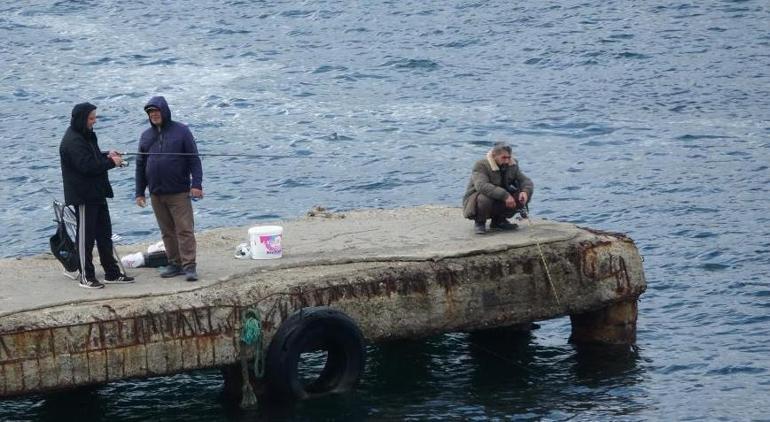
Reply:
x=112, y=153
x=510, y=202
x=141, y=201
x=523, y=197
x=117, y=159
x=196, y=193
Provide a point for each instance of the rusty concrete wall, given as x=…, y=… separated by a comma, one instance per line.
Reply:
x=416, y=299
x=101, y=341
x=111, y=349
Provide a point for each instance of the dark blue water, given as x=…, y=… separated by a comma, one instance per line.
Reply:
x=649, y=118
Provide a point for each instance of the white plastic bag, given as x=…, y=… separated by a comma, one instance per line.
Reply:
x=243, y=251
x=133, y=260
x=155, y=247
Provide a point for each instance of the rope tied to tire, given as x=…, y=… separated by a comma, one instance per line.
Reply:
x=251, y=336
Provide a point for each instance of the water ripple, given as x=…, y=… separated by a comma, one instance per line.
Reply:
x=649, y=120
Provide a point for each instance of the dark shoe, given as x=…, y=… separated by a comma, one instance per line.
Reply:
x=503, y=225
x=171, y=271
x=119, y=279
x=90, y=283
x=190, y=274
x=480, y=228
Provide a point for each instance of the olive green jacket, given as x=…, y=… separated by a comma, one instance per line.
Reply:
x=488, y=179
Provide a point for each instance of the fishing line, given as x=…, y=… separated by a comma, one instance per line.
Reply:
x=208, y=154
x=214, y=154
x=542, y=257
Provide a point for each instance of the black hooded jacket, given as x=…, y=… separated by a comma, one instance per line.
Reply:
x=83, y=166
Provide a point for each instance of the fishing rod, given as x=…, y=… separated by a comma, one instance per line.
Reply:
x=206, y=154
x=212, y=154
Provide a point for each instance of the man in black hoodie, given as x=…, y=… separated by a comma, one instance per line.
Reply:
x=86, y=186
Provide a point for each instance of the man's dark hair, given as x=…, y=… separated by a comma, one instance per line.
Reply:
x=500, y=147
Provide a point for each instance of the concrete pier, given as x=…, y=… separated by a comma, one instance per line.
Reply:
x=403, y=273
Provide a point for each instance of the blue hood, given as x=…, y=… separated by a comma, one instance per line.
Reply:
x=160, y=103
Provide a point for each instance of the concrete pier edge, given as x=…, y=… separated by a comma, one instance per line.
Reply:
x=448, y=280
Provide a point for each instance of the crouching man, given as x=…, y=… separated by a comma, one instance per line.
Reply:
x=496, y=191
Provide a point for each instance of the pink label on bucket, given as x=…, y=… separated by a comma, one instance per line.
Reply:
x=272, y=243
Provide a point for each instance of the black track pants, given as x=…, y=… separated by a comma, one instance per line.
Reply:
x=94, y=225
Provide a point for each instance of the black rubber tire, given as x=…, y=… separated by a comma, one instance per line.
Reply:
x=312, y=329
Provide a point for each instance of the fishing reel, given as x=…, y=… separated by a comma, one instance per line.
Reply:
x=123, y=163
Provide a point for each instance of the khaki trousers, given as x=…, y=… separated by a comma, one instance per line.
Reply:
x=174, y=214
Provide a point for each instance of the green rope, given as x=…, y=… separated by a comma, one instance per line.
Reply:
x=251, y=334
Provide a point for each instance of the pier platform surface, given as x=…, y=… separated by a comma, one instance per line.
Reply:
x=399, y=273
x=422, y=233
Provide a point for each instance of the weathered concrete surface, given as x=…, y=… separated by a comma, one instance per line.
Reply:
x=399, y=273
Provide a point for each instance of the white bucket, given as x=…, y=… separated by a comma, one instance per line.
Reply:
x=265, y=242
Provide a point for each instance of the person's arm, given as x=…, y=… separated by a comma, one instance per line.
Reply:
x=82, y=158
x=195, y=166
x=140, y=177
x=483, y=185
x=526, y=187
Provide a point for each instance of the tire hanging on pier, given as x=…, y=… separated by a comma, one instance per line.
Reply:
x=318, y=329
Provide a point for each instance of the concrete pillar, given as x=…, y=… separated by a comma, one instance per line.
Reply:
x=615, y=324
x=233, y=382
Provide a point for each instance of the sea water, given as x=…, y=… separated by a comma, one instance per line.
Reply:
x=649, y=118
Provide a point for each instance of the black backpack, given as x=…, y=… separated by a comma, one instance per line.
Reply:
x=62, y=245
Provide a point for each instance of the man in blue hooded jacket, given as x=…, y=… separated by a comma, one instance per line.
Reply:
x=168, y=163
